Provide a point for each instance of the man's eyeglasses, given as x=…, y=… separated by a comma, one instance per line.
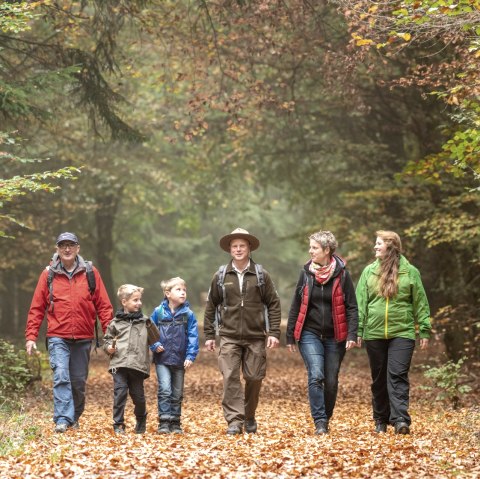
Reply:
x=64, y=246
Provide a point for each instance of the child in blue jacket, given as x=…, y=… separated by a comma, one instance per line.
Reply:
x=174, y=353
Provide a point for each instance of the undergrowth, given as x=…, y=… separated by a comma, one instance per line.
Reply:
x=17, y=374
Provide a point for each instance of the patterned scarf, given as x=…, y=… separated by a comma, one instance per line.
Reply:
x=128, y=316
x=323, y=273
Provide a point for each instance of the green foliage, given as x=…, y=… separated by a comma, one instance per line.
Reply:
x=460, y=155
x=16, y=18
x=454, y=221
x=421, y=12
x=413, y=20
x=16, y=429
x=20, y=185
x=20, y=98
x=448, y=378
x=459, y=326
x=15, y=373
x=453, y=74
x=261, y=117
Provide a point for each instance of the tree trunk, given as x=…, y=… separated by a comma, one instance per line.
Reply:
x=107, y=207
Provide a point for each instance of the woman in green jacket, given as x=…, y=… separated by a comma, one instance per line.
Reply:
x=391, y=303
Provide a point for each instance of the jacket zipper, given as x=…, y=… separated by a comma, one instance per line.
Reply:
x=243, y=288
x=323, y=312
x=386, y=319
x=242, y=291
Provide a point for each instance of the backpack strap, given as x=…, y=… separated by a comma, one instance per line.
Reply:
x=261, y=285
x=221, y=289
x=50, y=276
x=260, y=280
x=221, y=283
x=92, y=285
x=183, y=319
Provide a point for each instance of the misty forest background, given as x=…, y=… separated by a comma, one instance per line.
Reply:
x=153, y=128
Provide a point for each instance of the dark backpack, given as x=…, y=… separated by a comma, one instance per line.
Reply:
x=92, y=285
x=221, y=288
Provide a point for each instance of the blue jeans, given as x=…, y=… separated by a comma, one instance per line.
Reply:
x=322, y=358
x=69, y=361
x=170, y=390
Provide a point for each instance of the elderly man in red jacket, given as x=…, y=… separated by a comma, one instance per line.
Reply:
x=71, y=309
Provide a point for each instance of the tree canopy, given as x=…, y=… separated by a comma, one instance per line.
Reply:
x=181, y=120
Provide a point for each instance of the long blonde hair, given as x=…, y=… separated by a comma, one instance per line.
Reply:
x=388, y=283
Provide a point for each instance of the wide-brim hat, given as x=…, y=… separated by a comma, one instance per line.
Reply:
x=239, y=233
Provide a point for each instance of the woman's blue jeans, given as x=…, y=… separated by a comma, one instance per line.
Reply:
x=322, y=358
x=69, y=361
x=170, y=390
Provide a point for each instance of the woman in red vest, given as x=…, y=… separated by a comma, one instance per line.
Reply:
x=323, y=319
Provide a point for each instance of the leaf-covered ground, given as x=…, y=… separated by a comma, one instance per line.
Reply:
x=443, y=443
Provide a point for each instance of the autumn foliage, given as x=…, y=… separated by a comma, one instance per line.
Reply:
x=443, y=443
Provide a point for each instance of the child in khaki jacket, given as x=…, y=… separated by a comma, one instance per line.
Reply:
x=127, y=341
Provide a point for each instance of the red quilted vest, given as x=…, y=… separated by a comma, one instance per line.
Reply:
x=339, y=313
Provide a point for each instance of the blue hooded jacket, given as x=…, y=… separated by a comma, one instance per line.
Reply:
x=178, y=334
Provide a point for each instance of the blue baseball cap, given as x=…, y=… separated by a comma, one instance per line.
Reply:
x=67, y=237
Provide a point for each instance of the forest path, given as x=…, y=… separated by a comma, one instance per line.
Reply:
x=443, y=443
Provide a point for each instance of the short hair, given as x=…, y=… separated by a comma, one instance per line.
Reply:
x=126, y=290
x=168, y=284
x=326, y=239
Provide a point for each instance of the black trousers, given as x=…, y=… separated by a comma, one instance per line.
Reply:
x=390, y=361
x=128, y=381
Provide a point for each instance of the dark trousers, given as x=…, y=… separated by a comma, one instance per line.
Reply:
x=128, y=381
x=389, y=364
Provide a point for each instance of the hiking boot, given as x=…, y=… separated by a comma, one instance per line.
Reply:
x=61, y=427
x=321, y=428
x=163, y=426
x=234, y=429
x=251, y=426
x=119, y=428
x=380, y=427
x=141, y=425
x=75, y=425
x=402, y=428
x=175, y=426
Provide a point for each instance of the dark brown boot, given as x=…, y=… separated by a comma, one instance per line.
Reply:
x=175, y=426
x=141, y=425
x=163, y=426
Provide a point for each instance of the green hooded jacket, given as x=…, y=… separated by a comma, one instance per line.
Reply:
x=386, y=318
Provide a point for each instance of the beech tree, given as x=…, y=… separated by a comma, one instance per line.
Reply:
x=447, y=36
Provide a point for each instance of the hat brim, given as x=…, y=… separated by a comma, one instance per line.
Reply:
x=227, y=239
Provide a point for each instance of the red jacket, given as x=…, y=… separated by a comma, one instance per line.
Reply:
x=74, y=309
